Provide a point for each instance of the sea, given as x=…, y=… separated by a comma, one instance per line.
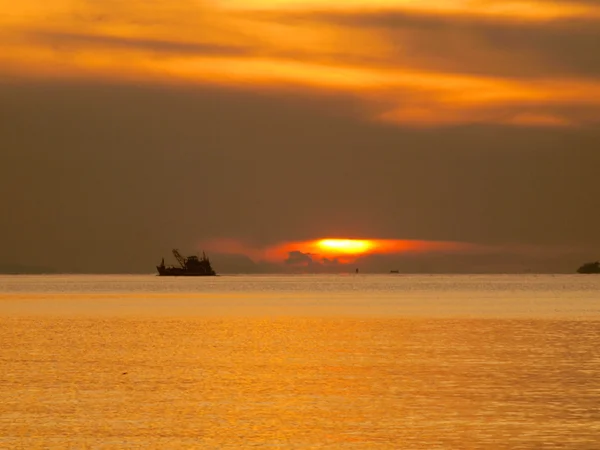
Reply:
x=300, y=362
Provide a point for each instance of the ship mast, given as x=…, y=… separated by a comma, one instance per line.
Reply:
x=179, y=258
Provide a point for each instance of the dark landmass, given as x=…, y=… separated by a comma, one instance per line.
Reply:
x=591, y=267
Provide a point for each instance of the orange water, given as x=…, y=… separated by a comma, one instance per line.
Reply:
x=109, y=362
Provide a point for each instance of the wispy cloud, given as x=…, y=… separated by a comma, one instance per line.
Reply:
x=507, y=9
x=431, y=63
x=87, y=42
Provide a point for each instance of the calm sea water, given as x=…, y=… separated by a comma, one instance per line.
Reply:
x=360, y=362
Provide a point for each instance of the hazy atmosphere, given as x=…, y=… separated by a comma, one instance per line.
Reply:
x=465, y=135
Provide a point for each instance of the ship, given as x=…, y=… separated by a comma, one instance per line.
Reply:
x=592, y=267
x=192, y=266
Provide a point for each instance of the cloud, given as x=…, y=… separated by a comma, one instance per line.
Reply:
x=296, y=257
x=312, y=253
x=236, y=263
x=418, y=64
x=463, y=44
x=82, y=41
x=423, y=257
x=540, y=10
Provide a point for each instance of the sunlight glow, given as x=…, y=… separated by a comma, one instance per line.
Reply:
x=330, y=252
x=352, y=246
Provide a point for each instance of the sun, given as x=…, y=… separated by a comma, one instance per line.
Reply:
x=347, y=246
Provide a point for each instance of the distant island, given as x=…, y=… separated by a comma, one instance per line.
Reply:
x=592, y=267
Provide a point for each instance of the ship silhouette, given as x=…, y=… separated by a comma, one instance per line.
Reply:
x=192, y=266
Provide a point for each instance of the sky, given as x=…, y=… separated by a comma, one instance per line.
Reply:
x=462, y=136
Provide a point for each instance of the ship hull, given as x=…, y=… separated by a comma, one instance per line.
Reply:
x=177, y=272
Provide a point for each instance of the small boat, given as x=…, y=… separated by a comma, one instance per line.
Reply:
x=394, y=271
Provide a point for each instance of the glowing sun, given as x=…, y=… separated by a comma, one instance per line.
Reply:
x=348, y=246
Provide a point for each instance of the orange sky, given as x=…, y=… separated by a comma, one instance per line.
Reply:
x=395, y=56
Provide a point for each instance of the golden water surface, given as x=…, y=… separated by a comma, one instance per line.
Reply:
x=89, y=364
